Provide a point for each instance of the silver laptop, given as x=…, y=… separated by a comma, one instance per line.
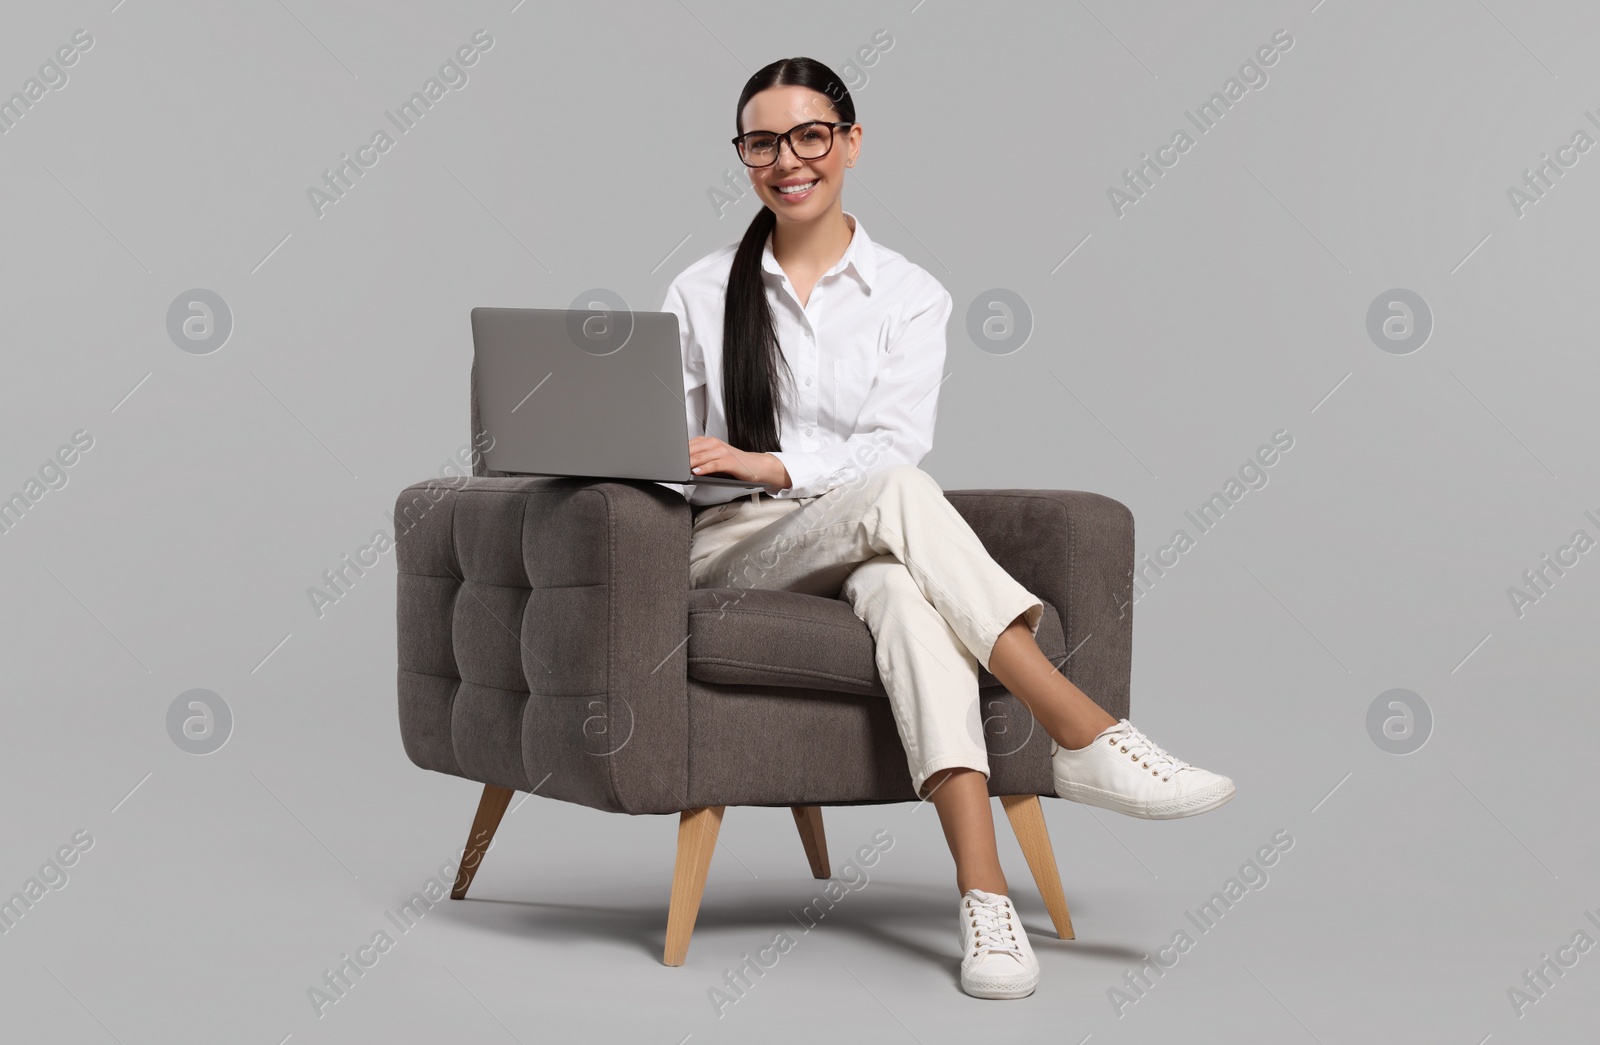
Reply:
x=589, y=393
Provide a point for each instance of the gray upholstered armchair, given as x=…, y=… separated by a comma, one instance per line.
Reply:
x=549, y=641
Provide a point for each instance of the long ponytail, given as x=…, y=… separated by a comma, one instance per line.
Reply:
x=750, y=350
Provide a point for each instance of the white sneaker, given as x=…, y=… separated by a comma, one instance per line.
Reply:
x=996, y=960
x=1123, y=770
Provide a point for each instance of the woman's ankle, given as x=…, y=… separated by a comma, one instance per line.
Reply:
x=1079, y=737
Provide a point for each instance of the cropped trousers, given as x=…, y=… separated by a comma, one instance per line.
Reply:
x=896, y=549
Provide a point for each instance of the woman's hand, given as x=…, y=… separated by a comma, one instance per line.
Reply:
x=709, y=455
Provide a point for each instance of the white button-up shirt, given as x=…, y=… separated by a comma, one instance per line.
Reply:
x=867, y=353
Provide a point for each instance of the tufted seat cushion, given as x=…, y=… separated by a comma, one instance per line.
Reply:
x=758, y=637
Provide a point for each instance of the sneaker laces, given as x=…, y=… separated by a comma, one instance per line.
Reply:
x=991, y=918
x=1145, y=751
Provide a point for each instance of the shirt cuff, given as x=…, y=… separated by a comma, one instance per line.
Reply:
x=808, y=473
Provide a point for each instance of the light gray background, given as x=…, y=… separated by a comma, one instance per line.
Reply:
x=1227, y=305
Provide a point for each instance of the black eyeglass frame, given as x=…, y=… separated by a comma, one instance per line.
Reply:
x=780, y=138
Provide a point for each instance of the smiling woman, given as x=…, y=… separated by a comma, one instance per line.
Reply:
x=812, y=361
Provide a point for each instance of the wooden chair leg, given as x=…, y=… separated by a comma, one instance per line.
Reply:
x=809, y=820
x=491, y=807
x=697, y=840
x=1027, y=820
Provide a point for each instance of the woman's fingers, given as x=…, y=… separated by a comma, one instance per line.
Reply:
x=716, y=465
x=709, y=456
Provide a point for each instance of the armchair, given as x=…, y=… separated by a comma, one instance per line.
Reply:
x=549, y=640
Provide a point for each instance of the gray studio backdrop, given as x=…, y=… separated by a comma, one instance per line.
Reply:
x=1175, y=234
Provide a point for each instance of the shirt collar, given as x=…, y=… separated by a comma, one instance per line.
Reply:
x=858, y=256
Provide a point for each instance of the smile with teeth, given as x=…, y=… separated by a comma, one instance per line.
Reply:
x=796, y=190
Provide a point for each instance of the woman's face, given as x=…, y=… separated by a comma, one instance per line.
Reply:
x=778, y=109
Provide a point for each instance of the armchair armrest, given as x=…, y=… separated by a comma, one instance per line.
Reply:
x=1075, y=551
x=541, y=627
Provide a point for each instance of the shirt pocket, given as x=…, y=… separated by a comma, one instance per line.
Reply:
x=853, y=374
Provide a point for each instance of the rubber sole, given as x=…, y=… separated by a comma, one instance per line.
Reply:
x=1001, y=995
x=1216, y=795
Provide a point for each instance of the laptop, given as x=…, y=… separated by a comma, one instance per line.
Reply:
x=585, y=393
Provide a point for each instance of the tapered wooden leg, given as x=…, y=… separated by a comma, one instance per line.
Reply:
x=697, y=839
x=1027, y=820
x=809, y=820
x=491, y=807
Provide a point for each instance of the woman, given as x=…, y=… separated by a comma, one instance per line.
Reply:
x=859, y=333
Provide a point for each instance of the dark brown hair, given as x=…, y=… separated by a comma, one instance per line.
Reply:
x=750, y=350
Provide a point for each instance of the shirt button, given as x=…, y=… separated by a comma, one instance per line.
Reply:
x=809, y=335
x=808, y=380
x=808, y=431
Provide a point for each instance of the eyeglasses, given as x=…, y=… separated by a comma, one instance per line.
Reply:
x=808, y=141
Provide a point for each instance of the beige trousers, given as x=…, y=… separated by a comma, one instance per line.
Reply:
x=893, y=546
